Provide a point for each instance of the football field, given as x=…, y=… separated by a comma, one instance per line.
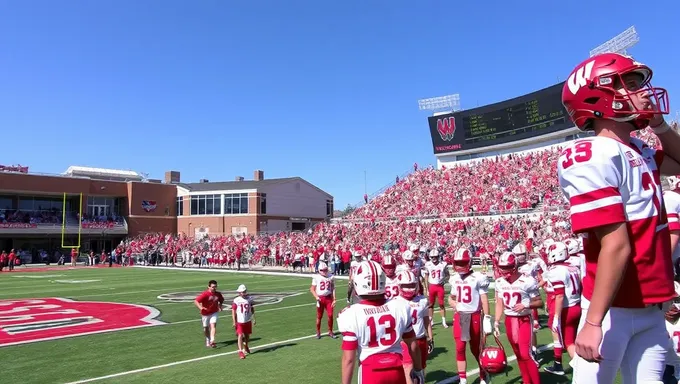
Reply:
x=139, y=325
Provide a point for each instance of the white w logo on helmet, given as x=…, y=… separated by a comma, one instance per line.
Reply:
x=493, y=353
x=579, y=77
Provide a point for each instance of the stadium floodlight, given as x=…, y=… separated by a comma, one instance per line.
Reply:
x=448, y=102
x=619, y=43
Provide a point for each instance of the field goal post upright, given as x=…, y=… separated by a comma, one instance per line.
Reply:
x=64, y=220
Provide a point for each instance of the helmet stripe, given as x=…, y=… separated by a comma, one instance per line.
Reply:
x=374, y=276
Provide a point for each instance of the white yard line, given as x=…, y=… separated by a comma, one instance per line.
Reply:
x=474, y=372
x=134, y=371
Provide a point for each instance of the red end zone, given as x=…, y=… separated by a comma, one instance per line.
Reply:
x=30, y=320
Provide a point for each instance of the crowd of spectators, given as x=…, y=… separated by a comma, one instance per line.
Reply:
x=30, y=217
x=487, y=205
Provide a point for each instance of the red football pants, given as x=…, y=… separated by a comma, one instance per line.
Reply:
x=436, y=292
x=520, y=331
x=325, y=303
x=382, y=368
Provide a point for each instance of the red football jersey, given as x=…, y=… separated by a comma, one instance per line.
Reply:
x=211, y=302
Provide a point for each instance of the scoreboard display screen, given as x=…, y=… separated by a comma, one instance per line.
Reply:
x=523, y=117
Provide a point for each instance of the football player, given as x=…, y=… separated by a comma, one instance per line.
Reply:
x=671, y=201
x=210, y=304
x=422, y=326
x=576, y=258
x=323, y=290
x=612, y=181
x=470, y=301
x=389, y=265
x=243, y=319
x=437, y=275
x=565, y=281
x=373, y=328
x=516, y=295
x=412, y=263
x=672, y=373
x=358, y=257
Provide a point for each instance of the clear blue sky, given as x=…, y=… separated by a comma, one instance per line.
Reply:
x=328, y=89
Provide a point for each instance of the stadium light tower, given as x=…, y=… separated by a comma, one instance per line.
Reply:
x=442, y=103
x=619, y=43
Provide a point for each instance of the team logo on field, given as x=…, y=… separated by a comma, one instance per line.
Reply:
x=30, y=320
x=258, y=298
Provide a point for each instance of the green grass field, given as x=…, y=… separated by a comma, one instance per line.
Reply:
x=283, y=343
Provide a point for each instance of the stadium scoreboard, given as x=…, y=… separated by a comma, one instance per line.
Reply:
x=523, y=117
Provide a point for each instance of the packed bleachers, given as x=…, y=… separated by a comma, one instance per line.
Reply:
x=487, y=205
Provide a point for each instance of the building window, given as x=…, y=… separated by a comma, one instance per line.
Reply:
x=235, y=203
x=206, y=205
x=329, y=208
x=180, y=206
x=263, y=203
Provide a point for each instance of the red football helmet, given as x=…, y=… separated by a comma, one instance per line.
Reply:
x=612, y=86
x=493, y=359
x=507, y=264
x=389, y=265
x=462, y=261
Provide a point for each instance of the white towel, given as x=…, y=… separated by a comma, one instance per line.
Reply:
x=465, y=319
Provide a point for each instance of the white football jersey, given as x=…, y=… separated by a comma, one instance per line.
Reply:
x=372, y=329
x=325, y=285
x=671, y=200
x=438, y=273
x=528, y=269
x=391, y=287
x=468, y=290
x=521, y=290
x=417, y=269
x=539, y=265
x=609, y=182
x=567, y=279
x=673, y=356
x=353, y=266
x=419, y=310
x=578, y=261
x=244, y=308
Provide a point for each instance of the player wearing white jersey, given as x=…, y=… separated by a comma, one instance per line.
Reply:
x=566, y=313
x=373, y=328
x=516, y=295
x=354, y=265
x=414, y=264
x=323, y=290
x=243, y=318
x=530, y=269
x=470, y=302
x=422, y=326
x=671, y=201
x=576, y=259
x=613, y=182
x=437, y=275
x=389, y=265
x=672, y=372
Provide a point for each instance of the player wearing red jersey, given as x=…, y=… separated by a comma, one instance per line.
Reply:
x=243, y=318
x=671, y=200
x=422, y=326
x=437, y=275
x=373, y=328
x=323, y=290
x=565, y=281
x=516, y=295
x=210, y=304
x=470, y=302
x=612, y=182
x=389, y=265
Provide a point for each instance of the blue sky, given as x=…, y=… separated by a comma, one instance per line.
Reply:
x=319, y=89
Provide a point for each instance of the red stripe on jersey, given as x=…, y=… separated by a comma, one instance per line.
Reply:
x=673, y=222
x=598, y=217
x=374, y=276
x=591, y=196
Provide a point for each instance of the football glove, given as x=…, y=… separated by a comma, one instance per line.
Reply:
x=486, y=325
x=430, y=346
x=418, y=377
